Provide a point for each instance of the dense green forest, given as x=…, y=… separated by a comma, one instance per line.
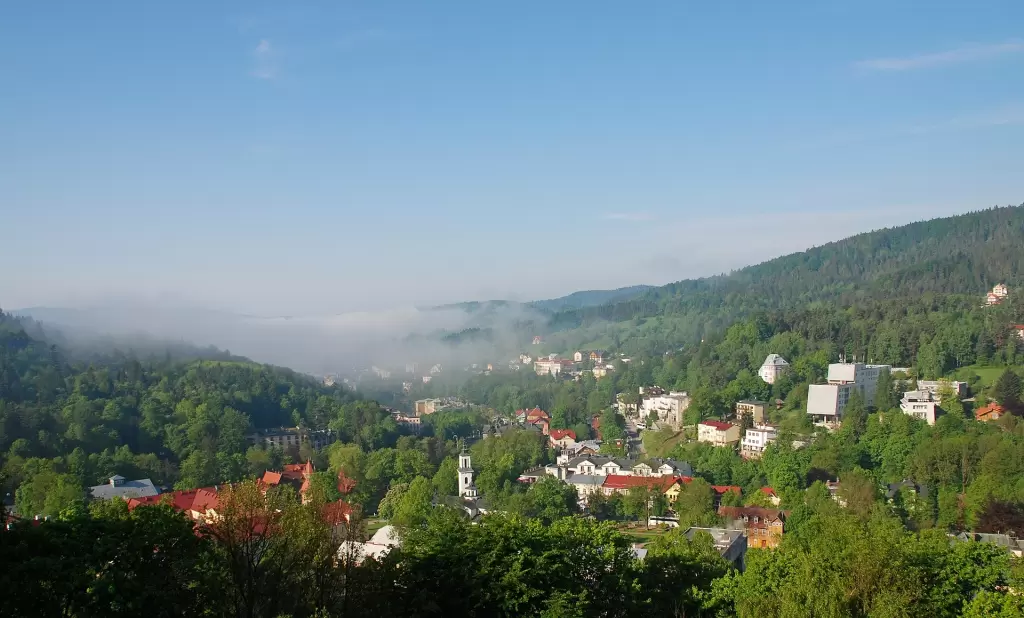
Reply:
x=965, y=254
x=68, y=422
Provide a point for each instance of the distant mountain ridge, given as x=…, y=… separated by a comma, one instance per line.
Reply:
x=963, y=254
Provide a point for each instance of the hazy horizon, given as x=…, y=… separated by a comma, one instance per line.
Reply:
x=317, y=159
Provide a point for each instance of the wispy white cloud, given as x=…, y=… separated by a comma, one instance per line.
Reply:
x=966, y=53
x=627, y=216
x=265, y=61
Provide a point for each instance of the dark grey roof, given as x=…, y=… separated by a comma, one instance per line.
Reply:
x=894, y=488
x=124, y=489
x=585, y=479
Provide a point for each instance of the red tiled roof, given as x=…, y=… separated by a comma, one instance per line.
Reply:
x=622, y=481
x=271, y=478
x=558, y=434
x=205, y=500
x=719, y=425
x=769, y=491
x=991, y=410
x=721, y=489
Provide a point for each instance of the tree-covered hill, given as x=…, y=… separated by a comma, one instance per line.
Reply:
x=965, y=254
x=67, y=423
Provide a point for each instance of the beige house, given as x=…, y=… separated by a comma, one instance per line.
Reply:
x=753, y=408
x=718, y=433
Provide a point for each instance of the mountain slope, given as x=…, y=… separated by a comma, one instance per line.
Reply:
x=965, y=254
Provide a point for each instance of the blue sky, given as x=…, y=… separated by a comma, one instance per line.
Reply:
x=309, y=158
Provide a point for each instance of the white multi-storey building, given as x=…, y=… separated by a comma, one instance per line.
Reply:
x=668, y=408
x=718, y=433
x=756, y=439
x=826, y=402
x=920, y=404
x=772, y=368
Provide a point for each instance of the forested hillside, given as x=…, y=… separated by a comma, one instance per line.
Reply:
x=965, y=254
x=66, y=424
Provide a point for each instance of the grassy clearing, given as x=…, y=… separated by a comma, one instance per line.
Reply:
x=987, y=375
x=641, y=534
x=660, y=443
x=373, y=525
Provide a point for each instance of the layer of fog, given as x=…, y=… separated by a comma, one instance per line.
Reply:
x=319, y=345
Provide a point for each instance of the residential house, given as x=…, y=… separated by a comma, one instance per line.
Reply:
x=562, y=437
x=601, y=371
x=551, y=366
x=382, y=542
x=773, y=497
x=991, y=412
x=579, y=356
x=537, y=340
x=1019, y=328
x=427, y=379
x=581, y=448
x=909, y=485
x=1012, y=545
x=621, y=484
x=586, y=484
x=773, y=367
x=997, y=295
x=297, y=475
x=672, y=467
x=413, y=423
x=833, y=492
x=718, y=433
x=117, y=487
x=752, y=408
x=721, y=490
x=283, y=438
x=921, y=404
x=425, y=407
x=826, y=402
x=763, y=527
x=532, y=475
x=598, y=356
x=200, y=505
x=756, y=440
x=668, y=408
x=731, y=544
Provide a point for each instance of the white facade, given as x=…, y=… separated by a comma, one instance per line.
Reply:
x=668, y=408
x=757, y=439
x=466, y=487
x=826, y=402
x=718, y=433
x=920, y=404
x=933, y=386
x=772, y=368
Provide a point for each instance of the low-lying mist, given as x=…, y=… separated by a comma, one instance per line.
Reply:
x=320, y=345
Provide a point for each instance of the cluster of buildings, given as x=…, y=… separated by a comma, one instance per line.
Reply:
x=998, y=294
x=290, y=438
x=202, y=504
x=668, y=408
x=554, y=366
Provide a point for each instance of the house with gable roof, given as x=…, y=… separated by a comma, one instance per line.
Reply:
x=718, y=433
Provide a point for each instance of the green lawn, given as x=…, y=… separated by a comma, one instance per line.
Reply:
x=373, y=525
x=659, y=443
x=987, y=375
x=641, y=534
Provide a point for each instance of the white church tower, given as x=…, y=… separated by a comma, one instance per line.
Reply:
x=466, y=487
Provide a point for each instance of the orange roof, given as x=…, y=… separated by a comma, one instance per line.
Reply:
x=271, y=478
x=768, y=490
x=721, y=489
x=206, y=500
x=990, y=412
x=558, y=434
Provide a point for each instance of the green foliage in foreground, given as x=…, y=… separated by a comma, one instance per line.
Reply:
x=832, y=563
